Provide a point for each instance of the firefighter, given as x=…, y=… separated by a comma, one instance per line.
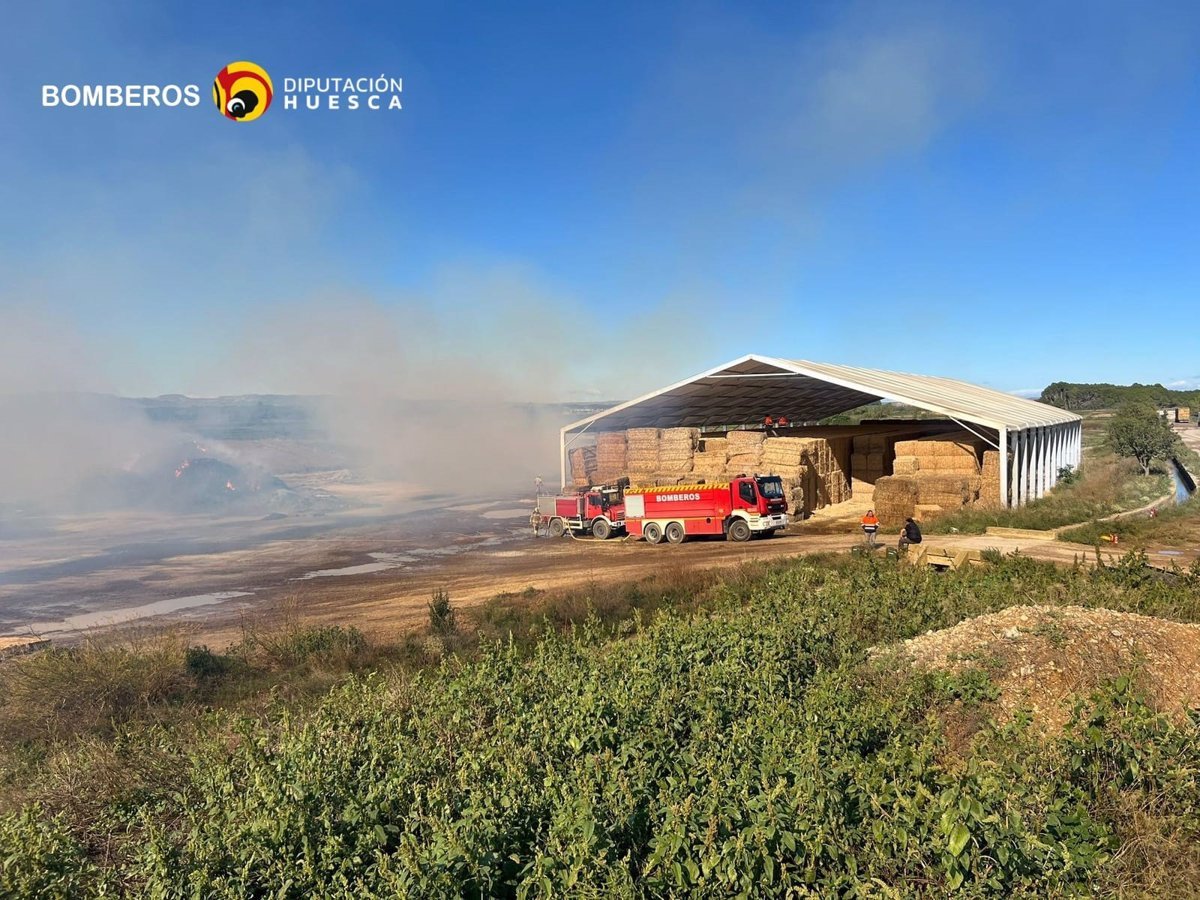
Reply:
x=870, y=526
x=535, y=521
x=537, y=485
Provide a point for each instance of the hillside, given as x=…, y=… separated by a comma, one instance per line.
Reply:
x=1080, y=397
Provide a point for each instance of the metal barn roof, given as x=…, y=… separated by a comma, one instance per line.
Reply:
x=741, y=392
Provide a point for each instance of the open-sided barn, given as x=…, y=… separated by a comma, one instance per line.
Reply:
x=980, y=446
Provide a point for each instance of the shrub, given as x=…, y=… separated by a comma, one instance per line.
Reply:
x=88, y=688
x=441, y=614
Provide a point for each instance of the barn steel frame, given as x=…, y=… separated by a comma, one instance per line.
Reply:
x=1036, y=441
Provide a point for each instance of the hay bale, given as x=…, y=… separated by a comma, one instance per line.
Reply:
x=895, y=498
x=679, y=438
x=947, y=491
x=641, y=449
x=924, y=512
x=742, y=440
x=906, y=465
x=743, y=462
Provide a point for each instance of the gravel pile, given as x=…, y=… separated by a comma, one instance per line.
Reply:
x=1041, y=657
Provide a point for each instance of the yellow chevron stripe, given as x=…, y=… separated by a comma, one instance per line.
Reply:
x=675, y=488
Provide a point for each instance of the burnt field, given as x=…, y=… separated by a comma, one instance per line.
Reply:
x=198, y=510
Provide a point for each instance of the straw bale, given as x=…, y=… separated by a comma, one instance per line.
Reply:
x=897, y=487
x=906, y=465
x=642, y=435
x=952, y=465
x=924, y=512
x=685, y=438
x=950, y=491
x=744, y=441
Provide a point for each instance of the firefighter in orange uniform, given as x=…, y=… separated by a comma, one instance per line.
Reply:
x=870, y=526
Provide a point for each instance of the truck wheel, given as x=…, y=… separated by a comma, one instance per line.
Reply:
x=652, y=532
x=739, y=530
x=674, y=533
x=601, y=529
x=557, y=528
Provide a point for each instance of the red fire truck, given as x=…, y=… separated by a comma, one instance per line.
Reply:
x=739, y=509
x=599, y=511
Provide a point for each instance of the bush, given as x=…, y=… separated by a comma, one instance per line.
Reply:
x=89, y=688
x=441, y=614
x=750, y=744
x=38, y=858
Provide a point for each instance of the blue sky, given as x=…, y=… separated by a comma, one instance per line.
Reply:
x=612, y=195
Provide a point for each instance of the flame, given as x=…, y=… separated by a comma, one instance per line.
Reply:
x=182, y=466
x=229, y=486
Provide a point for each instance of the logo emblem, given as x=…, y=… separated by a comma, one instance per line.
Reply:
x=242, y=91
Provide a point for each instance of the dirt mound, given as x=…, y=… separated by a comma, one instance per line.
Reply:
x=1040, y=657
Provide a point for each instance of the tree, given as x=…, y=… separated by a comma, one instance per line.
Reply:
x=1138, y=431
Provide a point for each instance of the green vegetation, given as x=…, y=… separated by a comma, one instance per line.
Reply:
x=879, y=411
x=743, y=741
x=1081, y=397
x=1178, y=525
x=1138, y=432
x=1105, y=485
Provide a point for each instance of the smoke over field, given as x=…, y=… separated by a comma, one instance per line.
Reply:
x=456, y=389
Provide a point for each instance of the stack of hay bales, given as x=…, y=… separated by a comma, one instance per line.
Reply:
x=955, y=454
x=745, y=451
x=610, y=457
x=895, y=498
x=868, y=463
x=710, y=462
x=938, y=493
x=676, y=448
x=828, y=459
x=641, y=454
x=583, y=466
x=989, y=490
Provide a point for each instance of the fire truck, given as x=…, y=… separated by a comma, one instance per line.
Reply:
x=739, y=509
x=599, y=511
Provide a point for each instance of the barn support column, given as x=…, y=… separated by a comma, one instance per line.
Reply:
x=1002, y=446
x=1044, y=481
x=562, y=460
x=1037, y=468
x=1056, y=462
x=1030, y=461
x=1015, y=486
x=1020, y=467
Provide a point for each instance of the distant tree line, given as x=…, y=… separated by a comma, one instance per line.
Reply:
x=1068, y=395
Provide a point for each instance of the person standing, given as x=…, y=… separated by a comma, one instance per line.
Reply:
x=535, y=521
x=909, y=534
x=538, y=484
x=870, y=527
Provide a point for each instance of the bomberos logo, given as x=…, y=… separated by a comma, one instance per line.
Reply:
x=242, y=91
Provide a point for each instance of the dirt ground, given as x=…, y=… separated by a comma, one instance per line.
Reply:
x=374, y=568
x=1040, y=657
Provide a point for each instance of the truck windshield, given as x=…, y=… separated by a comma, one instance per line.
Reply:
x=771, y=488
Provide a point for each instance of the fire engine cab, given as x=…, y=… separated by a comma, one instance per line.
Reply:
x=739, y=509
x=599, y=511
